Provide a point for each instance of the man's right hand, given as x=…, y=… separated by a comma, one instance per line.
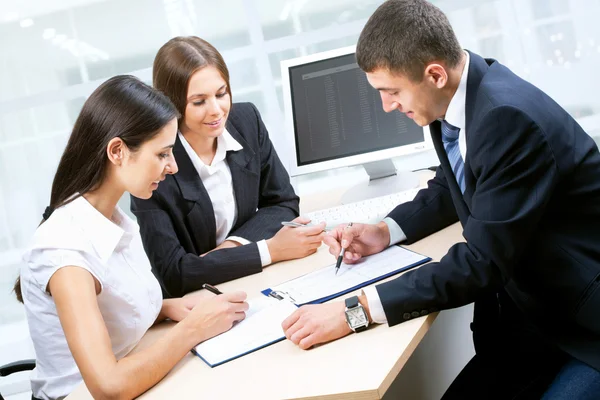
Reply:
x=359, y=240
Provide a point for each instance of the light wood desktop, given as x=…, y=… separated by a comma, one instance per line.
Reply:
x=359, y=366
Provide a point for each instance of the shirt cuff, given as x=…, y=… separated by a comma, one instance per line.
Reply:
x=396, y=233
x=263, y=249
x=375, y=306
x=238, y=239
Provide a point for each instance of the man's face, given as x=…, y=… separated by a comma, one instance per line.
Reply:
x=421, y=101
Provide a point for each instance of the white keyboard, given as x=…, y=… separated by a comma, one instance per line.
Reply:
x=366, y=211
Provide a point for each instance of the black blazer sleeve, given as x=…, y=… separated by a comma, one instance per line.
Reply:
x=516, y=172
x=277, y=200
x=178, y=270
x=431, y=210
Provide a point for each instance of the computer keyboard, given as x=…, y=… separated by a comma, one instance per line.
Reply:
x=366, y=211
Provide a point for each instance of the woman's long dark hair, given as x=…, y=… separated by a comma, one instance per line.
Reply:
x=122, y=107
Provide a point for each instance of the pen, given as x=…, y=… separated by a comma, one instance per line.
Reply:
x=293, y=224
x=211, y=288
x=341, y=256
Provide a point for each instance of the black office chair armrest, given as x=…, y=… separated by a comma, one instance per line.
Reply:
x=17, y=366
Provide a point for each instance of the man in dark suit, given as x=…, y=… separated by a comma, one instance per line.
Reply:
x=523, y=179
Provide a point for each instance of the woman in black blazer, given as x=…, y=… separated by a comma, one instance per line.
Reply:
x=219, y=218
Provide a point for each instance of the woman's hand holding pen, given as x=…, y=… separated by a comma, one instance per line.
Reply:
x=217, y=314
x=359, y=240
x=291, y=243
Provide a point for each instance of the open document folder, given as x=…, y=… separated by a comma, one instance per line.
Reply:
x=262, y=325
x=323, y=284
x=260, y=328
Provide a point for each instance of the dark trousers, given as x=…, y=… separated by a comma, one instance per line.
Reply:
x=512, y=361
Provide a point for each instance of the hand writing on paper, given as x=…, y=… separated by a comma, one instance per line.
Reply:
x=179, y=308
x=217, y=314
x=314, y=324
x=359, y=239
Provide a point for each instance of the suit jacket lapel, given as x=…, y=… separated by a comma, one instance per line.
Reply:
x=201, y=217
x=478, y=66
x=243, y=178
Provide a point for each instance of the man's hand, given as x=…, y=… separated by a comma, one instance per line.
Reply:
x=313, y=324
x=359, y=240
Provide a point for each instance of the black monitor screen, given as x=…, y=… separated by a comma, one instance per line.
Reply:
x=338, y=114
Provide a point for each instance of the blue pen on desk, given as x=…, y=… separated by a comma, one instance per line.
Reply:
x=342, y=252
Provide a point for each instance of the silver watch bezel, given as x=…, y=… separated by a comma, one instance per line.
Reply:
x=366, y=324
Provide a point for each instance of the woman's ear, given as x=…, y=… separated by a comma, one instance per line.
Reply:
x=116, y=151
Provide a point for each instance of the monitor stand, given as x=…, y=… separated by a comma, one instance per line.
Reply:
x=384, y=179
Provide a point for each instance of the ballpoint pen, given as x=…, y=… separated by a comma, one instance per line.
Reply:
x=211, y=288
x=341, y=256
x=293, y=224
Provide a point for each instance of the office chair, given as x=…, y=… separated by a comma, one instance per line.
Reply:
x=17, y=366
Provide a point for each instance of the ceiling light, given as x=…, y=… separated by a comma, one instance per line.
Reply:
x=10, y=16
x=26, y=23
x=49, y=33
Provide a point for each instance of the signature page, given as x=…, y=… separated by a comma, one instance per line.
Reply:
x=324, y=283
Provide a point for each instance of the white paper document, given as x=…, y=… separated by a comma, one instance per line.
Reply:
x=260, y=328
x=324, y=284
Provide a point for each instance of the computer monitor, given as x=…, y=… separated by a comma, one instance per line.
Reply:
x=334, y=118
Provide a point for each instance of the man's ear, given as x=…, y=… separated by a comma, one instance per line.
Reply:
x=437, y=75
x=116, y=151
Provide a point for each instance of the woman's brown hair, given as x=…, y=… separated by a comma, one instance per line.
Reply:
x=122, y=107
x=176, y=62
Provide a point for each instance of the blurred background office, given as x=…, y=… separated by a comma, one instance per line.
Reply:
x=54, y=53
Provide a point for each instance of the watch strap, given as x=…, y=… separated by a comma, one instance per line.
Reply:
x=352, y=302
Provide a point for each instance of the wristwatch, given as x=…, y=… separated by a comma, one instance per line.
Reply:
x=356, y=316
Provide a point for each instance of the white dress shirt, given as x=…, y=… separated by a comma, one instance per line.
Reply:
x=455, y=115
x=130, y=298
x=217, y=180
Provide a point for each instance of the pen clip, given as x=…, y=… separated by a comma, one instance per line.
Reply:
x=281, y=295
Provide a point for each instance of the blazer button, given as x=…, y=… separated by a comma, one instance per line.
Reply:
x=424, y=312
x=406, y=316
x=415, y=314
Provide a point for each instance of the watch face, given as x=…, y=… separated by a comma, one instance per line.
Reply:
x=356, y=316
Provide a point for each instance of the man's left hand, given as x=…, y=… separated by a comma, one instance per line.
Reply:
x=314, y=324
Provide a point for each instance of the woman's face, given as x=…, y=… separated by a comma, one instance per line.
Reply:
x=151, y=163
x=208, y=104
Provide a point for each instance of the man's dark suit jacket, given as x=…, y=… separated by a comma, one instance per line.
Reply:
x=530, y=214
x=177, y=223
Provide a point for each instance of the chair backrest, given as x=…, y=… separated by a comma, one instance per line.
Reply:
x=17, y=366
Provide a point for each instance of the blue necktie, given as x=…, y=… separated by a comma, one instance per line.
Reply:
x=450, y=140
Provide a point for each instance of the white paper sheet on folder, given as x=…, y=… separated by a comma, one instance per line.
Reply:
x=261, y=327
x=324, y=283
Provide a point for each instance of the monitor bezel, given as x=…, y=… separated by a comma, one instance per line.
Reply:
x=345, y=161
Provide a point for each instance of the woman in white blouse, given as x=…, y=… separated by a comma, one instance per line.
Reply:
x=87, y=285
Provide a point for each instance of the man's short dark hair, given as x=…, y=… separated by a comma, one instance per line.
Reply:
x=403, y=36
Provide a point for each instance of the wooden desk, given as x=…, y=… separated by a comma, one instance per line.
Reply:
x=359, y=366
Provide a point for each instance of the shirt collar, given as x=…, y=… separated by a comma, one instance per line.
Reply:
x=106, y=236
x=225, y=143
x=455, y=115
